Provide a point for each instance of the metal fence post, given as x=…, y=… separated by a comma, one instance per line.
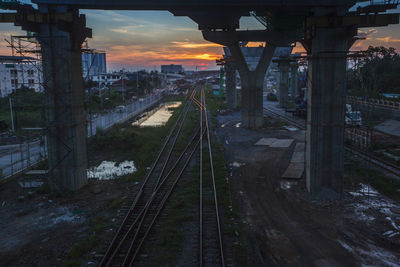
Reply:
x=11, y=163
x=28, y=155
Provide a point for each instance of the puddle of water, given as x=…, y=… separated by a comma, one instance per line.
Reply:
x=370, y=199
x=108, y=170
x=286, y=185
x=237, y=164
x=161, y=116
x=372, y=255
x=291, y=128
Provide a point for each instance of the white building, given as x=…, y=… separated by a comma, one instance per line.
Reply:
x=16, y=72
x=106, y=79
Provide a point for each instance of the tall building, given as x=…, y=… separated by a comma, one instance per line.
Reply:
x=93, y=63
x=171, y=68
x=16, y=71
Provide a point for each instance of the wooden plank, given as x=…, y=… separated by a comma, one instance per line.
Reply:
x=297, y=157
x=294, y=171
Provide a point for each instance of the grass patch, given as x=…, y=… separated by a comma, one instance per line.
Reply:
x=270, y=122
x=180, y=206
x=122, y=141
x=179, y=213
x=80, y=249
x=141, y=145
x=116, y=203
x=358, y=173
x=232, y=226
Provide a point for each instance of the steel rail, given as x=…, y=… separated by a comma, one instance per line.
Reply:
x=127, y=233
x=163, y=202
x=106, y=257
x=143, y=213
x=201, y=186
x=221, y=249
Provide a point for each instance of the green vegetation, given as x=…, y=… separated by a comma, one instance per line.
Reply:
x=27, y=108
x=77, y=253
x=232, y=226
x=181, y=204
x=184, y=203
x=270, y=122
x=107, y=100
x=179, y=213
x=375, y=74
x=272, y=97
x=124, y=141
x=359, y=173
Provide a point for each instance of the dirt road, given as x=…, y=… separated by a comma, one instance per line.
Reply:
x=284, y=226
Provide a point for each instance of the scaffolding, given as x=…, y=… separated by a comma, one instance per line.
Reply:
x=27, y=48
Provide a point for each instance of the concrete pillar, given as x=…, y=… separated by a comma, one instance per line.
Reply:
x=283, y=83
x=294, y=91
x=230, y=81
x=326, y=111
x=252, y=85
x=65, y=114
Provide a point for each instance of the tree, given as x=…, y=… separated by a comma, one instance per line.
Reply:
x=376, y=73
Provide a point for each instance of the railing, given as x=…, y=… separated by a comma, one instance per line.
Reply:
x=105, y=121
x=394, y=105
x=359, y=137
x=19, y=157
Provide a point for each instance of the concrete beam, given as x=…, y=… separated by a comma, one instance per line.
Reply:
x=35, y=17
x=252, y=85
x=362, y=21
x=273, y=38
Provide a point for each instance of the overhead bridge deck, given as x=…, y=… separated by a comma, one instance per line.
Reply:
x=182, y=4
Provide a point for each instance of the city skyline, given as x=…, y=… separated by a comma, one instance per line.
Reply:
x=134, y=40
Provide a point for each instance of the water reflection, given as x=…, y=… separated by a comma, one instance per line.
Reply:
x=161, y=116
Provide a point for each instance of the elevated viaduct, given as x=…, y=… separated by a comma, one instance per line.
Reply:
x=326, y=28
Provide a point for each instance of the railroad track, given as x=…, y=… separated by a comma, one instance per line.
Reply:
x=387, y=166
x=211, y=250
x=151, y=198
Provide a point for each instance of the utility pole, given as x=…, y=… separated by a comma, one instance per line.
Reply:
x=123, y=87
x=12, y=116
x=90, y=108
x=137, y=84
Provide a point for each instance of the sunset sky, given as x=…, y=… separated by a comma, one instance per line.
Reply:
x=146, y=39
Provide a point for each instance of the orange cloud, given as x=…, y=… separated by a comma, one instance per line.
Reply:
x=388, y=39
x=191, y=54
x=187, y=44
x=207, y=56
